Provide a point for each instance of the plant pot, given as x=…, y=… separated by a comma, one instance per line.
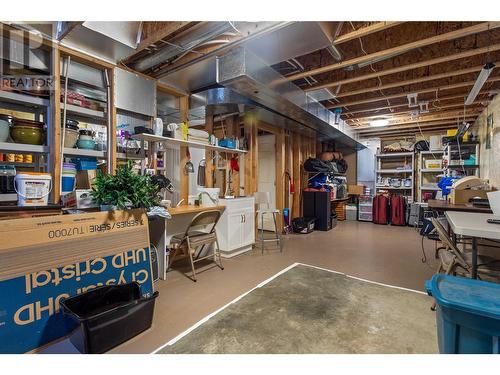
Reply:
x=108, y=207
x=27, y=132
x=70, y=138
x=5, y=123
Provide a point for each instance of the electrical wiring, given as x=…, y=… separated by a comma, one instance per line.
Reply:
x=234, y=27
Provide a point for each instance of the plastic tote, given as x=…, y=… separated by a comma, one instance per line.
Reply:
x=33, y=188
x=108, y=316
x=468, y=314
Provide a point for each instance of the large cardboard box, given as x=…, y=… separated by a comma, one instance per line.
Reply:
x=463, y=196
x=46, y=259
x=355, y=189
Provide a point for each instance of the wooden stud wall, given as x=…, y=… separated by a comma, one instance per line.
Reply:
x=184, y=177
x=55, y=130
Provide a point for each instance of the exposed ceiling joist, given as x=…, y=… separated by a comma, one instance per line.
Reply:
x=422, y=119
x=407, y=111
x=481, y=27
x=399, y=69
x=452, y=73
x=363, y=31
x=403, y=95
x=165, y=32
x=403, y=128
x=441, y=99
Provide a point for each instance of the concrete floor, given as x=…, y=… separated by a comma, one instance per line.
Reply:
x=385, y=254
x=308, y=310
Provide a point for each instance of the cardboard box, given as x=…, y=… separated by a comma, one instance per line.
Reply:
x=84, y=179
x=355, y=189
x=463, y=196
x=79, y=199
x=45, y=259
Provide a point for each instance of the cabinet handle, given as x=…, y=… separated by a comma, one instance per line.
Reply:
x=241, y=219
x=244, y=218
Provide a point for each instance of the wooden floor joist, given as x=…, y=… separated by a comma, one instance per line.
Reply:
x=409, y=82
x=404, y=68
x=364, y=31
x=456, y=34
x=403, y=95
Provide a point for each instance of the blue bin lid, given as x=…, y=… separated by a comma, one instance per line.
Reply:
x=469, y=295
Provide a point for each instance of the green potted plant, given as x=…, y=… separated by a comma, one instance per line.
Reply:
x=124, y=190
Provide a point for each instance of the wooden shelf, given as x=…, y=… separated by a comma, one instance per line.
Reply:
x=423, y=187
x=180, y=142
x=431, y=152
x=23, y=148
x=18, y=164
x=395, y=154
x=339, y=199
x=84, y=112
x=394, y=188
x=86, y=153
x=23, y=99
x=394, y=171
x=432, y=170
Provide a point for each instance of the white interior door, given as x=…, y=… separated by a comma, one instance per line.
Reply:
x=267, y=174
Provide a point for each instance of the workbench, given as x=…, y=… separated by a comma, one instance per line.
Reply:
x=443, y=206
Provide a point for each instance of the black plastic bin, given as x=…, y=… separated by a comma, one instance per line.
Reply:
x=108, y=316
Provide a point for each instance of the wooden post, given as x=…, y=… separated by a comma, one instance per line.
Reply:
x=251, y=157
x=297, y=175
x=112, y=143
x=184, y=177
x=281, y=190
x=209, y=168
x=55, y=125
x=234, y=130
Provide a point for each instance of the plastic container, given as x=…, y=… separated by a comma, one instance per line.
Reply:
x=433, y=164
x=351, y=212
x=33, y=188
x=468, y=314
x=108, y=316
x=68, y=177
x=84, y=164
x=228, y=143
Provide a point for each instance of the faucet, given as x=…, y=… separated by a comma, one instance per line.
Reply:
x=214, y=201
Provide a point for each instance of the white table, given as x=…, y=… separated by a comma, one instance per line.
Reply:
x=473, y=225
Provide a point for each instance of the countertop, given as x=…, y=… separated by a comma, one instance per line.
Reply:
x=185, y=209
x=443, y=205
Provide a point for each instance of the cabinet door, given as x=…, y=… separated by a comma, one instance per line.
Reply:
x=248, y=228
x=235, y=223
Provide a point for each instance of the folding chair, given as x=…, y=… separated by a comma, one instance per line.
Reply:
x=194, y=241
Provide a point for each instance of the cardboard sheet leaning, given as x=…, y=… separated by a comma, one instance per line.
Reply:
x=43, y=260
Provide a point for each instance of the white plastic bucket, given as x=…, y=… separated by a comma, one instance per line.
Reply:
x=33, y=188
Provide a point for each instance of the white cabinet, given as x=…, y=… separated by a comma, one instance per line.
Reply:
x=236, y=227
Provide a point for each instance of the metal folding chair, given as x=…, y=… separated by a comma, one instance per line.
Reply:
x=193, y=241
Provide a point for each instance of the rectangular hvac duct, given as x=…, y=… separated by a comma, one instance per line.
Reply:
x=246, y=74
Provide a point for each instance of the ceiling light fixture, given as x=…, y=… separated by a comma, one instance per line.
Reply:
x=379, y=123
x=481, y=79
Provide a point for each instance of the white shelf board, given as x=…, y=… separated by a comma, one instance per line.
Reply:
x=394, y=171
x=23, y=148
x=394, y=188
x=122, y=155
x=82, y=152
x=18, y=164
x=429, y=188
x=432, y=152
x=85, y=112
x=432, y=170
x=24, y=99
x=181, y=142
x=394, y=154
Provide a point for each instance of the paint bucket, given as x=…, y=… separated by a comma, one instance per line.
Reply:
x=68, y=178
x=33, y=188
